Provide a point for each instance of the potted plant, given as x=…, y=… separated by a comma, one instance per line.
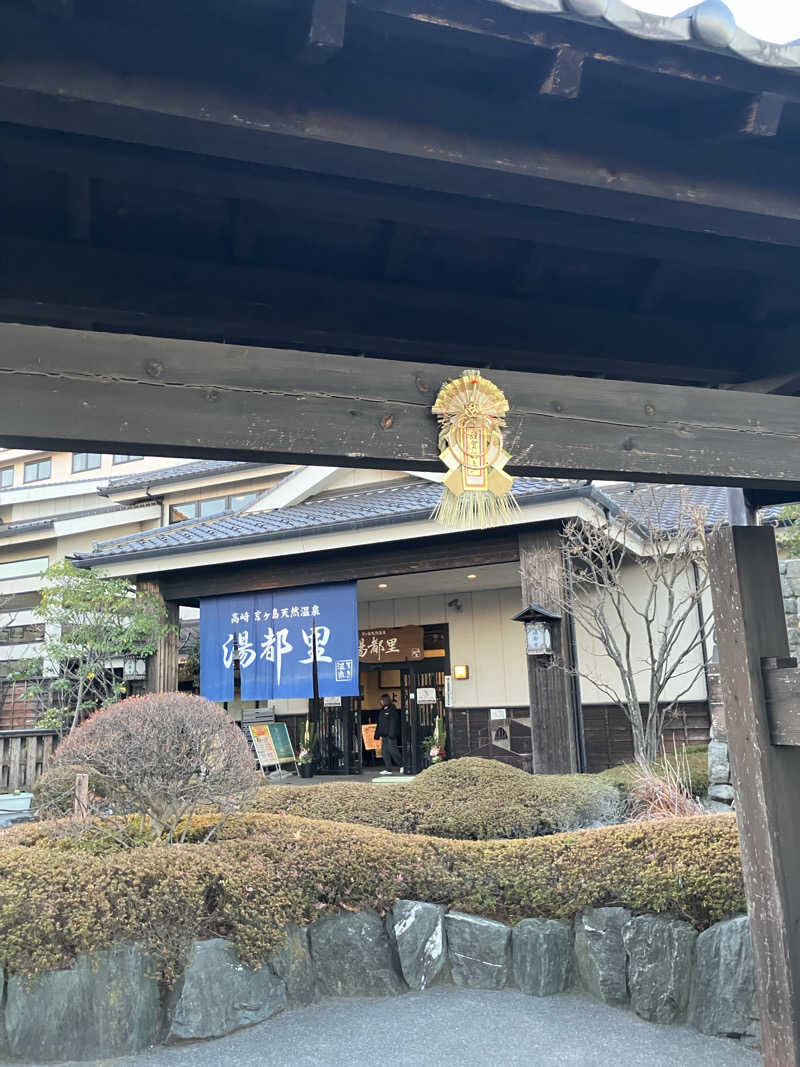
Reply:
x=308, y=743
x=436, y=744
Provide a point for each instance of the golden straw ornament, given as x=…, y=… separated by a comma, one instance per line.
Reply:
x=477, y=491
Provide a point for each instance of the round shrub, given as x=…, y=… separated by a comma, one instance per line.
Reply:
x=467, y=798
x=479, y=798
x=163, y=756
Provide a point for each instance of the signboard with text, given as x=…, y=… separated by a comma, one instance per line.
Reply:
x=391, y=644
x=272, y=743
x=275, y=638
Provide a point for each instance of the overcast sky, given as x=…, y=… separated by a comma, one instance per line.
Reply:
x=774, y=20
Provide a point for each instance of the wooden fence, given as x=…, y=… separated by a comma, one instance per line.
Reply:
x=24, y=756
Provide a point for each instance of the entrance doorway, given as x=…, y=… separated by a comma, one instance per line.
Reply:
x=405, y=684
x=417, y=688
x=339, y=748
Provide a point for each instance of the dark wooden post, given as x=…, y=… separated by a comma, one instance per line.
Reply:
x=162, y=666
x=750, y=627
x=552, y=692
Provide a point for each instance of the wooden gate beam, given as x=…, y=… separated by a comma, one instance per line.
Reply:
x=65, y=389
x=750, y=627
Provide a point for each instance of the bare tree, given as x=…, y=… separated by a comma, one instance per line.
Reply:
x=638, y=580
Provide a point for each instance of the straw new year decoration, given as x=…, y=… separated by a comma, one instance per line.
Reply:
x=477, y=491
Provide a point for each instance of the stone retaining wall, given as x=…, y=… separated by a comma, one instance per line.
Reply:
x=660, y=967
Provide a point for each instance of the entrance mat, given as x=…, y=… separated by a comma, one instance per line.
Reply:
x=393, y=779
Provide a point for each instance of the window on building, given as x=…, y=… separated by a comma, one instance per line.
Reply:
x=85, y=461
x=179, y=512
x=215, y=506
x=206, y=509
x=242, y=500
x=27, y=634
x=37, y=470
x=6, y=477
x=24, y=568
x=126, y=459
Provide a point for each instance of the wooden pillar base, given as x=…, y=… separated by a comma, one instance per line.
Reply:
x=162, y=666
x=751, y=628
x=552, y=692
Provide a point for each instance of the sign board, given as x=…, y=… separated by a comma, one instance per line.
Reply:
x=448, y=690
x=391, y=644
x=332, y=702
x=426, y=695
x=276, y=638
x=498, y=713
x=272, y=744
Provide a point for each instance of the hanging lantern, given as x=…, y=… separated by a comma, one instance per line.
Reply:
x=477, y=490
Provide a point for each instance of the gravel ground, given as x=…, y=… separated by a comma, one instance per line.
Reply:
x=455, y=1028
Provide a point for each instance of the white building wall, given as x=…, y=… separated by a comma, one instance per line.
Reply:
x=482, y=636
x=600, y=667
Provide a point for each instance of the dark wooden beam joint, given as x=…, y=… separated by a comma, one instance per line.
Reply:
x=325, y=35
x=762, y=115
x=564, y=77
x=782, y=694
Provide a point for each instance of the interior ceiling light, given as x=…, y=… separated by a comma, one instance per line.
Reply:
x=382, y=585
x=471, y=576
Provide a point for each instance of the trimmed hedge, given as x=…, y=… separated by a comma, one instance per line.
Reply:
x=467, y=798
x=265, y=871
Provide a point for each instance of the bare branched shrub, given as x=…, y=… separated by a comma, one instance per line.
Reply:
x=161, y=757
x=663, y=791
x=637, y=580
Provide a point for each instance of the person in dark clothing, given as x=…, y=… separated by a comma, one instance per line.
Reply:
x=389, y=732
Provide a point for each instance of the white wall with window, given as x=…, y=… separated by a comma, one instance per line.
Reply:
x=38, y=470
x=86, y=461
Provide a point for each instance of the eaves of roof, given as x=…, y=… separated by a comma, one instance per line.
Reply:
x=28, y=526
x=51, y=521
x=709, y=25
x=87, y=560
x=186, y=472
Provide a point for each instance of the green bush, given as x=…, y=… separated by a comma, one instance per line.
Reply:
x=468, y=798
x=264, y=871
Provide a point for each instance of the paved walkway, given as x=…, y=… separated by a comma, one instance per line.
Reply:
x=456, y=1028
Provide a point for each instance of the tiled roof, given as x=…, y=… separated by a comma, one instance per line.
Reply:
x=709, y=25
x=646, y=502
x=400, y=501
x=397, y=501
x=25, y=526
x=90, y=484
x=180, y=473
x=49, y=521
